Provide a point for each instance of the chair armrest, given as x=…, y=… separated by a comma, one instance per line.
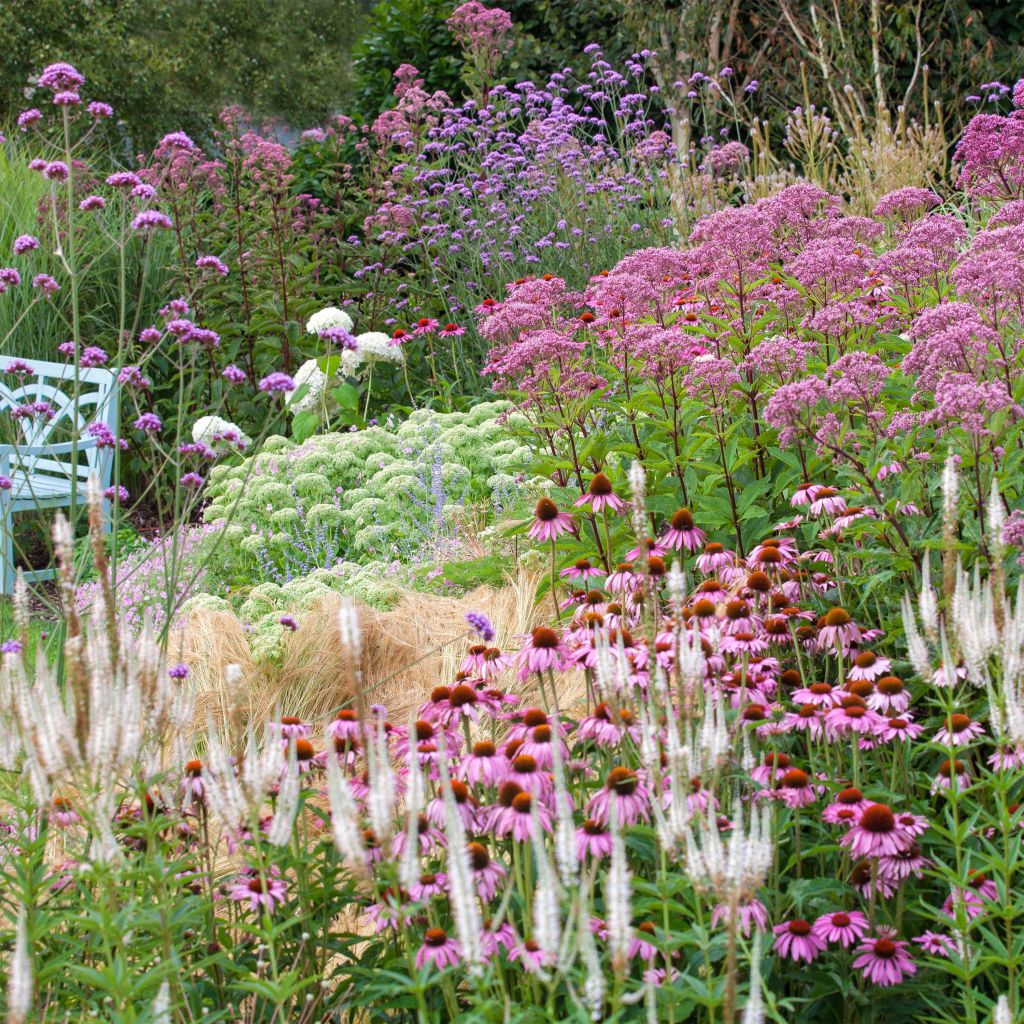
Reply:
x=64, y=448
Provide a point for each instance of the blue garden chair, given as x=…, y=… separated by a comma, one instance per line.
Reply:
x=40, y=464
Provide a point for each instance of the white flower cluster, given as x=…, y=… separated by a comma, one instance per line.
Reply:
x=204, y=429
x=373, y=347
x=309, y=376
x=329, y=317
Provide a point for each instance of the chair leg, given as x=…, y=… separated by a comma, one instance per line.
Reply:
x=7, y=552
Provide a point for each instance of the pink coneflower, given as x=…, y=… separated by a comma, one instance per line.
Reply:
x=901, y=866
x=946, y=677
x=899, y=728
x=600, y=495
x=485, y=765
x=797, y=940
x=771, y=769
x=936, y=944
x=711, y=591
x=838, y=631
x=847, y=808
x=548, y=522
x=827, y=501
x=884, y=961
x=849, y=516
x=495, y=938
x=821, y=695
x=981, y=890
x=494, y=663
x=751, y=914
x=682, y=533
x=623, y=787
x=581, y=569
x=864, y=877
x=743, y=643
x=264, y=891
x=805, y=494
x=192, y=786
x=593, y=839
x=624, y=579
x=538, y=746
x=62, y=814
x=1006, y=758
x=714, y=558
x=474, y=659
x=889, y=694
x=844, y=927
x=876, y=834
x=465, y=806
x=796, y=789
x=544, y=651
x=438, y=949
x=428, y=839
x=958, y=730
x=428, y=886
x=599, y=727
x=532, y=957
x=291, y=726
x=488, y=874
x=948, y=770
x=807, y=718
x=642, y=944
x=346, y=726
x=527, y=774
x=425, y=325
x=647, y=548
x=516, y=813
x=451, y=331
x=868, y=665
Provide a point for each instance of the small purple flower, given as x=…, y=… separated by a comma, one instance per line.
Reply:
x=25, y=243
x=132, y=377
x=233, y=375
x=92, y=203
x=149, y=421
x=481, y=624
x=289, y=622
x=214, y=264
x=6, y=483
x=149, y=336
x=67, y=98
x=29, y=117
x=191, y=480
x=93, y=356
x=178, y=671
x=10, y=647
x=143, y=191
x=150, y=220
x=98, y=109
x=9, y=278
x=277, y=382
x=61, y=76
x=120, y=493
x=124, y=179
x=56, y=170
x=18, y=366
x=45, y=283
x=340, y=337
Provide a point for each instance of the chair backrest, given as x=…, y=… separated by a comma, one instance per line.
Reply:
x=71, y=405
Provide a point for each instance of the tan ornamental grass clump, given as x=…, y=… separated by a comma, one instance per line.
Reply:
x=406, y=652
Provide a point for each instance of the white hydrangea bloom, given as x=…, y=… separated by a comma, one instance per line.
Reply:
x=329, y=317
x=375, y=346
x=206, y=426
x=309, y=373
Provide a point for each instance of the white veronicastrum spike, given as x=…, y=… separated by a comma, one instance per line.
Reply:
x=468, y=926
x=618, y=899
x=691, y=658
x=348, y=838
x=996, y=520
x=638, y=492
x=565, y=839
x=594, y=986
x=753, y=1011
x=917, y=649
x=409, y=869
x=1002, y=1013
x=348, y=627
x=287, y=803
x=160, y=1013
x=950, y=491
x=19, y=975
x=547, y=922
x=927, y=602
x=675, y=586
x=383, y=793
